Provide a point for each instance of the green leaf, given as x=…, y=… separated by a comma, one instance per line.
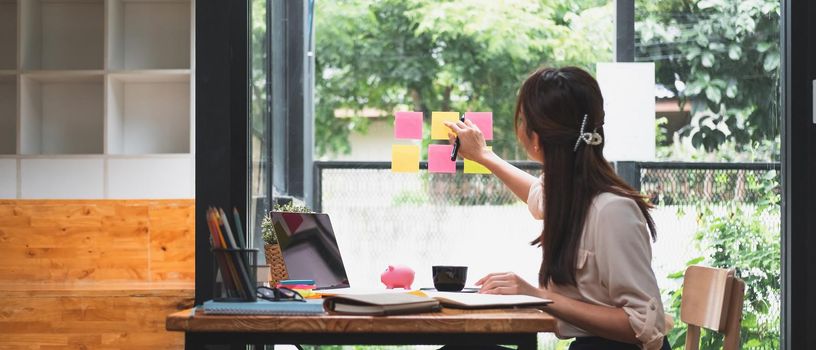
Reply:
x=771, y=61
x=713, y=94
x=702, y=40
x=762, y=305
x=749, y=320
x=707, y=59
x=734, y=52
x=732, y=89
x=695, y=261
x=719, y=47
x=697, y=140
x=693, y=52
x=719, y=83
x=678, y=339
x=693, y=88
x=706, y=4
x=752, y=343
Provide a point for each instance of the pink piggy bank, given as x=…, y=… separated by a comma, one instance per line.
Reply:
x=397, y=277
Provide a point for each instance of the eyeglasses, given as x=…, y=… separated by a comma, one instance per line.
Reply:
x=278, y=294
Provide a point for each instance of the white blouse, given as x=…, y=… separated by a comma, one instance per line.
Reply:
x=614, y=266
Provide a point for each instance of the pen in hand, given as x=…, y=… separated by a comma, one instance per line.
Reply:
x=455, y=150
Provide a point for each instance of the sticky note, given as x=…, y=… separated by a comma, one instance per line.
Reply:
x=483, y=121
x=408, y=125
x=472, y=167
x=438, y=130
x=404, y=158
x=439, y=160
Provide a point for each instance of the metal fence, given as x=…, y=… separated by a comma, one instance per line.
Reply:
x=363, y=178
x=674, y=183
x=666, y=183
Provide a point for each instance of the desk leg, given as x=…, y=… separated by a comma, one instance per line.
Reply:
x=192, y=342
x=528, y=342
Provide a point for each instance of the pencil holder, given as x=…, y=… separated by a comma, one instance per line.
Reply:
x=236, y=272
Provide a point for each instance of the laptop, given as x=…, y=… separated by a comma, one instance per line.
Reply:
x=310, y=250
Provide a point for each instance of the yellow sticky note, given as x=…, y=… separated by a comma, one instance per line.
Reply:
x=404, y=158
x=472, y=167
x=438, y=130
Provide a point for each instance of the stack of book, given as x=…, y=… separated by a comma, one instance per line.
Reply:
x=263, y=307
x=236, y=264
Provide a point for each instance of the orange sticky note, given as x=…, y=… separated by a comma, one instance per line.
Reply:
x=404, y=158
x=483, y=121
x=408, y=125
x=439, y=159
x=472, y=167
x=438, y=130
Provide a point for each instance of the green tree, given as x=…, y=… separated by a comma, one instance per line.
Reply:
x=723, y=57
x=453, y=55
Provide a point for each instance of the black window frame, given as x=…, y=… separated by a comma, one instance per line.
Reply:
x=222, y=122
x=798, y=172
x=291, y=77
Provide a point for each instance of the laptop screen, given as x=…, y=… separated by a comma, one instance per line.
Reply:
x=310, y=249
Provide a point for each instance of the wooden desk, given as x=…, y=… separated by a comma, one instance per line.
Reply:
x=451, y=326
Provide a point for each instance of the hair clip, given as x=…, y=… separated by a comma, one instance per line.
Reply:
x=590, y=138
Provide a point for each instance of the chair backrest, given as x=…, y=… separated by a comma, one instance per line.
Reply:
x=712, y=299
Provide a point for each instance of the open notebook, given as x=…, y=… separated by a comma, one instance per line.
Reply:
x=483, y=301
x=415, y=302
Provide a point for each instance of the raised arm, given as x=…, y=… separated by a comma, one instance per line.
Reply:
x=472, y=146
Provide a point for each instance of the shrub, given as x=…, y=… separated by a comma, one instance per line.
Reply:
x=745, y=237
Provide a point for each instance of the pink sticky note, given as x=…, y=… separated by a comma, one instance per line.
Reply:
x=484, y=121
x=408, y=125
x=439, y=160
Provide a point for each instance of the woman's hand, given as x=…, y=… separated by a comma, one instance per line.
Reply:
x=471, y=141
x=507, y=283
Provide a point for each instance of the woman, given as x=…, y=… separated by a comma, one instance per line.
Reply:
x=596, y=263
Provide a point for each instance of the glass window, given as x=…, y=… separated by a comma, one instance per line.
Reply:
x=377, y=57
x=713, y=176
x=717, y=73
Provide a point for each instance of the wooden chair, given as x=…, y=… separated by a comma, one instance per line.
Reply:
x=712, y=299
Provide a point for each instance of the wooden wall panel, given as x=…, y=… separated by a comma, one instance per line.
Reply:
x=97, y=241
x=94, y=274
x=172, y=242
x=48, y=321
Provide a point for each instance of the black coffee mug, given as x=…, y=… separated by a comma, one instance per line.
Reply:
x=449, y=278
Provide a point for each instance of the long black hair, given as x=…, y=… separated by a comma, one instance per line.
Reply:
x=552, y=103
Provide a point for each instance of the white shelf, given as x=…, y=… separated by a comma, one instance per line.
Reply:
x=97, y=99
x=61, y=114
x=151, y=177
x=148, y=113
x=149, y=34
x=8, y=34
x=62, y=34
x=61, y=178
x=8, y=114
